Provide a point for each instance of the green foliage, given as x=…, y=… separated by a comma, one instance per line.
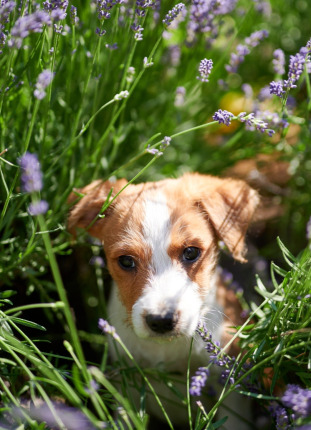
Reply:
x=84, y=128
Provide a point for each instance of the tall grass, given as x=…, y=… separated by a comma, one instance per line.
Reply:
x=106, y=110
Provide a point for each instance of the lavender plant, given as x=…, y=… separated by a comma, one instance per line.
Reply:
x=144, y=90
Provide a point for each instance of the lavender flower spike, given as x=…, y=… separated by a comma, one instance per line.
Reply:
x=5, y=10
x=298, y=399
x=173, y=13
x=154, y=151
x=255, y=123
x=73, y=15
x=107, y=328
x=44, y=80
x=296, y=65
x=25, y=25
x=276, y=88
x=205, y=69
x=198, y=381
x=223, y=117
x=38, y=208
x=278, y=62
x=31, y=173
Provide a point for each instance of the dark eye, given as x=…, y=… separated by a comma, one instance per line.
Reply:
x=191, y=254
x=126, y=262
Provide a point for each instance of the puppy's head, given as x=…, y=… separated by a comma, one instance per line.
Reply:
x=160, y=241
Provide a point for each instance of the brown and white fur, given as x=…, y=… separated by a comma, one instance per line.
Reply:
x=156, y=303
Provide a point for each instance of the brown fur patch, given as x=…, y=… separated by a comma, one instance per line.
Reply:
x=203, y=208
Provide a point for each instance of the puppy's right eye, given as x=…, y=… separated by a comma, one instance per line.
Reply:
x=126, y=262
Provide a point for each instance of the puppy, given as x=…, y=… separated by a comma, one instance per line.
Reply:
x=161, y=246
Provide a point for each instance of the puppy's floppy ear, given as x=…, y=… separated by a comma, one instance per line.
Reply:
x=229, y=205
x=85, y=211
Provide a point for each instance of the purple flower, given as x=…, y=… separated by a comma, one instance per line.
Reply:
x=44, y=80
x=58, y=14
x=276, y=88
x=264, y=93
x=72, y=418
x=107, y=328
x=263, y=7
x=248, y=91
x=104, y=6
x=298, y=399
x=138, y=30
x=31, y=173
x=273, y=119
x=244, y=49
x=25, y=25
x=165, y=142
x=223, y=117
x=5, y=10
x=278, y=62
x=204, y=17
x=281, y=418
x=100, y=32
x=142, y=6
x=226, y=376
x=205, y=69
x=296, y=65
x=112, y=46
x=37, y=208
x=254, y=123
x=173, y=13
x=3, y=38
x=198, y=381
x=97, y=261
x=154, y=151
x=255, y=38
x=237, y=58
x=73, y=15
x=50, y=5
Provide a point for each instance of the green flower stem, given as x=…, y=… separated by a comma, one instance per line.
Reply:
x=56, y=305
x=32, y=122
x=100, y=377
x=157, y=144
x=188, y=386
x=118, y=339
x=249, y=319
x=86, y=84
x=15, y=402
x=100, y=283
x=6, y=74
x=97, y=403
x=262, y=363
x=308, y=85
x=123, y=105
x=63, y=296
x=6, y=347
x=86, y=126
x=71, y=395
x=109, y=202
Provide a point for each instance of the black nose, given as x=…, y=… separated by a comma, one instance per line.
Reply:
x=161, y=323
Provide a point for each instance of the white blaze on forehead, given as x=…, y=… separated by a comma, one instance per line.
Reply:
x=156, y=230
x=168, y=289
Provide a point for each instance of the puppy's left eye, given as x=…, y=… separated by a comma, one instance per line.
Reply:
x=126, y=262
x=191, y=254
